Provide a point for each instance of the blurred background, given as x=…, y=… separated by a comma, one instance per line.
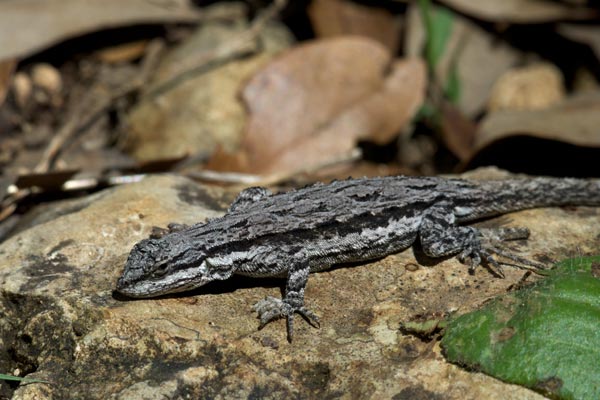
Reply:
x=103, y=92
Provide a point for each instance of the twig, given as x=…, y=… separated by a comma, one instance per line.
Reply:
x=272, y=179
x=352, y=156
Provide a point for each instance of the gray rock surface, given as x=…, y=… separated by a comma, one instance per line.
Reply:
x=61, y=322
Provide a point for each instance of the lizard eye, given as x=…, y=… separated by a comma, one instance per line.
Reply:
x=160, y=270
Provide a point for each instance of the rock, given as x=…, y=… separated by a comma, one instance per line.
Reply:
x=61, y=321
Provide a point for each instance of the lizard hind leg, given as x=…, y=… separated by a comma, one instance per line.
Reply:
x=440, y=236
x=491, y=243
x=494, y=240
x=271, y=308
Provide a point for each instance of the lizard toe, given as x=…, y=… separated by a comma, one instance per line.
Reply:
x=269, y=309
x=309, y=316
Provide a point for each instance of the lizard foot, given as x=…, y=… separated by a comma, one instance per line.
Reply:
x=271, y=308
x=477, y=252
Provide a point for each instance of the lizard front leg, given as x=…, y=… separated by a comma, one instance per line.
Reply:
x=440, y=236
x=271, y=308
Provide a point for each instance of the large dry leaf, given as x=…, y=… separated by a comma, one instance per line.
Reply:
x=457, y=130
x=378, y=118
x=520, y=11
x=312, y=104
x=574, y=121
x=27, y=26
x=478, y=56
x=345, y=17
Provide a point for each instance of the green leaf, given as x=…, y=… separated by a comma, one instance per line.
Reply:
x=580, y=264
x=5, y=377
x=438, y=27
x=453, y=87
x=438, y=22
x=545, y=336
x=427, y=111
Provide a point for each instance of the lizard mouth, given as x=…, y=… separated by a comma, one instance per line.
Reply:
x=138, y=287
x=135, y=286
x=130, y=289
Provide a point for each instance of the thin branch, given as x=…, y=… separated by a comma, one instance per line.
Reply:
x=275, y=178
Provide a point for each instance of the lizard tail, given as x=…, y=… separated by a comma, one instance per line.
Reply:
x=518, y=194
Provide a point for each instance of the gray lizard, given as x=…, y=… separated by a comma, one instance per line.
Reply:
x=310, y=229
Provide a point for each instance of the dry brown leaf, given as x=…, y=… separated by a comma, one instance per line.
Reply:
x=22, y=88
x=575, y=120
x=27, y=26
x=313, y=104
x=47, y=77
x=343, y=17
x=6, y=76
x=532, y=87
x=301, y=91
x=520, y=11
x=125, y=52
x=477, y=55
x=378, y=119
x=457, y=131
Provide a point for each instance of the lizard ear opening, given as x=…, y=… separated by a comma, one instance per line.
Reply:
x=217, y=268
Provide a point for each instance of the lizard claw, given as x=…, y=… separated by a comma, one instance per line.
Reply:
x=271, y=308
x=476, y=253
x=475, y=257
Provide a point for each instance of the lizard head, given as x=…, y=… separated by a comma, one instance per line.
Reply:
x=160, y=266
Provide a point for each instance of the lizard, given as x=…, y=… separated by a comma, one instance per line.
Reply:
x=310, y=229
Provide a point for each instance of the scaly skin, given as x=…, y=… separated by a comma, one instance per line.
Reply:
x=310, y=229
